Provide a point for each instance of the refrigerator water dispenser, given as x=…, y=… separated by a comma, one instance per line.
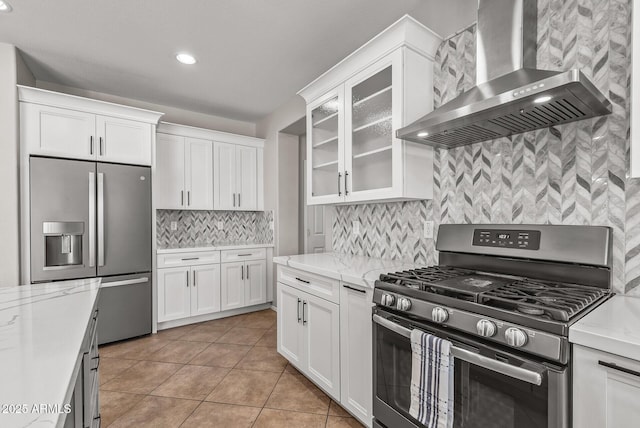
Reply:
x=63, y=244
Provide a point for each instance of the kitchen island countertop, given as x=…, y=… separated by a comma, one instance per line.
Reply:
x=358, y=270
x=42, y=327
x=612, y=327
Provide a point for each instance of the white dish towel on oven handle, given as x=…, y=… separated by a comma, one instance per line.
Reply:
x=431, y=380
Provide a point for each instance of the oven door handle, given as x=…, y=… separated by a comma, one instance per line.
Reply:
x=519, y=373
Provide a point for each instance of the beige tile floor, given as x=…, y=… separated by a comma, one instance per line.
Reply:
x=223, y=373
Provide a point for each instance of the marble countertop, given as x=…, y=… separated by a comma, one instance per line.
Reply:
x=358, y=270
x=212, y=248
x=612, y=327
x=42, y=327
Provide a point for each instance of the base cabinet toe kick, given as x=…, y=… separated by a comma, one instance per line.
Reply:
x=325, y=331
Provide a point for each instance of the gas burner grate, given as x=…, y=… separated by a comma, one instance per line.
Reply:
x=552, y=300
x=427, y=279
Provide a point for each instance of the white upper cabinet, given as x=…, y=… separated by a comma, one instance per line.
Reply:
x=184, y=173
x=61, y=125
x=202, y=169
x=169, y=188
x=354, y=110
x=123, y=141
x=238, y=179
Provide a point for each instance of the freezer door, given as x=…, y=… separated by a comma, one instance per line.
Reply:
x=123, y=219
x=124, y=305
x=62, y=226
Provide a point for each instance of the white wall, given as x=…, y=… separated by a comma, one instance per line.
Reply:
x=288, y=194
x=269, y=128
x=12, y=71
x=171, y=114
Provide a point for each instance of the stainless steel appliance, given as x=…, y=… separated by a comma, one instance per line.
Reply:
x=94, y=219
x=511, y=96
x=505, y=296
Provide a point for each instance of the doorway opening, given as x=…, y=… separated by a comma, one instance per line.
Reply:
x=315, y=222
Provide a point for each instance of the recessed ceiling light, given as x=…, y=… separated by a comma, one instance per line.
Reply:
x=4, y=6
x=186, y=58
x=423, y=134
x=542, y=99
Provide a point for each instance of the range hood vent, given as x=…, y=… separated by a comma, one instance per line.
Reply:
x=510, y=96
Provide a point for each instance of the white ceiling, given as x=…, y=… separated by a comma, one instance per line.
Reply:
x=253, y=55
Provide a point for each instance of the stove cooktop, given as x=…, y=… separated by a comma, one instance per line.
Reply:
x=545, y=300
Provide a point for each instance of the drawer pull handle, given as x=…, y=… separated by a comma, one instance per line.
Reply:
x=614, y=366
x=245, y=255
x=302, y=280
x=355, y=289
x=190, y=258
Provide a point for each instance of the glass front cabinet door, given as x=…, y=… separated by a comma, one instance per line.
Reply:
x=325, y=149
x=354, y=111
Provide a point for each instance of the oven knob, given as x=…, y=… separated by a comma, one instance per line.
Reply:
x=515, y=337
x=404, y=304
x=388, y=300
x=486, y=328
x=439, y=314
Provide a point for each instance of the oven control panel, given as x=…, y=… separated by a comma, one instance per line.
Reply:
x=521, y=239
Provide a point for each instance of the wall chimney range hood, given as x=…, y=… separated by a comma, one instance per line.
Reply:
x=511, y=96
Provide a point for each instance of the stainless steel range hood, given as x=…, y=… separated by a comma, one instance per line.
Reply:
x=511, y=96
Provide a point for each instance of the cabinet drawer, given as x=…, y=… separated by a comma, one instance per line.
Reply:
x=194, y=258
x=229, y=256
x=316, y=285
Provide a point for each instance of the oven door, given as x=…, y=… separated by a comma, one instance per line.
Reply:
x=493, y=387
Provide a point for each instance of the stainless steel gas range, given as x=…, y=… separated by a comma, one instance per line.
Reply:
x=505, y=296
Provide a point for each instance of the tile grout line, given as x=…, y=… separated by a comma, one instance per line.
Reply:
x=267, y=400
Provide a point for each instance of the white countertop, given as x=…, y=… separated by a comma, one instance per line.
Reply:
x=612, y=327
x=212, y=248
x=42, y=327
x=359, y=270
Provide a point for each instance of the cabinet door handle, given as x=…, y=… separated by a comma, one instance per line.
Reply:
x=100, y=146
x=339, y=184
x=242, y=272
x=299, y=301
x=302, y=280
x=187, y=278
x=234, y=199
x=181, y=197
x=346, y=181
x=355, y=289
x=91, y=145
x=247, y=272
x=188, y=197
x=614, y=366
x=239, y=203
x=304, y=315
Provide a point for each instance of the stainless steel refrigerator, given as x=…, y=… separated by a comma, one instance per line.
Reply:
x=93, y=219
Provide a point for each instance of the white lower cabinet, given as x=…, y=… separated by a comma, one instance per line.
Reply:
x=356, y=351
x=244, y=284
x=232, y=285
x=188, y=291
x=205, y=291
x=606, y=388
x=311, y=338
x=174, y=301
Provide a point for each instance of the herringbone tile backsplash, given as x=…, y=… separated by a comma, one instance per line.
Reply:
x=200, y=228
x=569, y=174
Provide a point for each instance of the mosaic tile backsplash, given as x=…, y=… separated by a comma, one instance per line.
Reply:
x=570, y=174
x=200, y=228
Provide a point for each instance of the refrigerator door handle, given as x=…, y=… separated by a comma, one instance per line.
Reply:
x=92, y=219
x=100, y=219
x=124, y=282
